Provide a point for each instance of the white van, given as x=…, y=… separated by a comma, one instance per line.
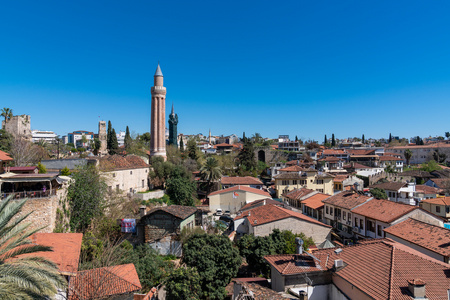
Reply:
x=219, y=212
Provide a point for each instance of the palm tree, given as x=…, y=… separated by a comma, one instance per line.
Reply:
x=408, y=155
x=210, y=172
x=23, y=276
x=7, y=114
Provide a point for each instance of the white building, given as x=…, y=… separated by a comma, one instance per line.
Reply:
x=42, y=135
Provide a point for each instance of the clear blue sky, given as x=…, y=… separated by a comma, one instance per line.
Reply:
x=305, y=68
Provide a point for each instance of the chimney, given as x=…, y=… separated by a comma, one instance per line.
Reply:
x=417, y=288
x=299, y=243
x=264, y=202
x=142, y=211
x=249, y=213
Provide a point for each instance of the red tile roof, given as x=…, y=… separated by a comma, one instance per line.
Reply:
x=425, y=189
x=241, y=188
x=66, y=249
x=340, y=178
x=297, y=194
x=315, y=201
x=356, y=166
x=271, y=213
x=439, y=201
x=12, y=169
x=118, y=162
x=223, y=145
x=260, y=202
x=347, y=200
x=380, y=268
x=360, y=151
x=294, y=168
x=104, y=282
x=333, y=152
x=431, y=237
x=246, y=180
x=331, y=159
x=5, y=156
x=383, y=210
x=390, y=186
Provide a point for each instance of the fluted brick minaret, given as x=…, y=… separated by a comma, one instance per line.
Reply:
x=158, y=118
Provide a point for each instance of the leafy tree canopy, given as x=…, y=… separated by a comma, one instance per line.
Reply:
x=378, y=193
x=180, y=187
x=216, y=261
x=184, y=284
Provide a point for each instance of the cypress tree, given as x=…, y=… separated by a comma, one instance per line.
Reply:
x=296, y=138
x=128, y=139
x=390, y=138
x=243, y=137
x=108, y=136
x=325, y=140
x=114, y=144
x=181, y=145
x=363, y=139
x=333, y=141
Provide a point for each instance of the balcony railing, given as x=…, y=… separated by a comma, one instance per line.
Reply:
x=30, y=194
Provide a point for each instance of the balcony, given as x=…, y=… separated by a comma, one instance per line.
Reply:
x=30, y=194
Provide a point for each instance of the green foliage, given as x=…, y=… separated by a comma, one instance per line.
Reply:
x=408, y=155
x=6, y=140
x=128, y=140
x=65, y=171
x=246, y=157
x=30, y=277
x=418, y=140
x=163, y=199
x=151, y=267
x=439, y=157
x=114, y=144
x=160, y=171
x=183, y=284
x=192, y=149
x=253, y=249
x=216, y=261
x=390, y=138
x=363, y=139
x=145, y=138
x=430, y=166
x=333, y=141
x=378, y=193
x=81, y=149
x=41, y=168
x=97, y=146
x=86, y=195
x=447, y=135
x=325, y=140
x=181, y=145
x=180, y=187
x=210, y=172
x=108, y=136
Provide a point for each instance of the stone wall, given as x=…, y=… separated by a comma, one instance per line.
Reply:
x=270, y=156
x=19, y=126
x=394, y=177
x=150, y=195
x=158, y=225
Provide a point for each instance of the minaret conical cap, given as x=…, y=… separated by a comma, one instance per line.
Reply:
x=158, y=71
x=172, y=110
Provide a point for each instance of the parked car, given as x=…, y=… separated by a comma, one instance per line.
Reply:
x=226, y=219
x=227, y=213
x=219, y=212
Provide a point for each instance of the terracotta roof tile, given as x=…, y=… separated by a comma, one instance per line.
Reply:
x=347, y=200
x=391, y=186
x=242, y=188
x=383, y=210
x=270, y=213
x=257, y=288
x=331, y=159
x=117, y=162
x=315, y=201
x=389, y=158
x=32, y=168
x=431, y=237
x=178, y=211
x=294, y=168
x=66, y=249
x=380, y=268
x=441, y=182
x=298, y=194
x=5, y=156
x=440, y=201
x=334, y=152
x=425, y=189
x=260, y=202
x=246, y=180
x=104, y=282
x=340, y=178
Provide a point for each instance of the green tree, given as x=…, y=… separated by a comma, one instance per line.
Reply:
x=192, y=149
x=65, y=171
x=108, y=136
x=333, y=141
x=29, y=277
x=439, y=157
x=210, y=172
x=86, y=194
x=7, y=113
x=289, y=242
x=430, y=166
x=378, y=193
x=160, y=171
x=114, y=144
x=145, y=138
x=184, y=284
x=128, y=140
x=6, y=141
x=180, y=188
x=390, y=138
x=447, y=135
x=152, y=269
x=296, y=138
x=216, y=261
x=325, y=141
x=408, y=155
x=363, y=139
x=41, y=168
x=97, y=146
x=246, y=157
x=181, y=145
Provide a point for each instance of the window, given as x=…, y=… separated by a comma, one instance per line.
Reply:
x=319, y=190
x=110, y=188
x=117, y=187
x=326, y=209
x=114, y=174
x=331, y=211
x=379, y=231
x=356, y=222
x=146, y=171
x=285, y=182
x=349, y=216
x=447, y=209
x=370, y=226
x=319, y=181
x=294, y=181
x=438, y=209
x=131, y=172
x=131, y=190
x=143, y=184
x=361, y=224
x=344, y=215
